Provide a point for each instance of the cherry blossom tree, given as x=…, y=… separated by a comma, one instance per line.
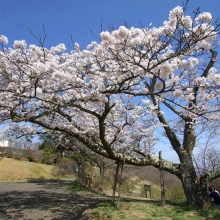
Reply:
x=116, y=94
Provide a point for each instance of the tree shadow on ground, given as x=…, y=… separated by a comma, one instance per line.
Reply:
x=51, y=183
x=45, y=205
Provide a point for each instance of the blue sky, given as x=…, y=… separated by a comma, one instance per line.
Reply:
x=63, y=18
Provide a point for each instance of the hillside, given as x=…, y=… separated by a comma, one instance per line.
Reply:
x=11, y=170
x=134, y=178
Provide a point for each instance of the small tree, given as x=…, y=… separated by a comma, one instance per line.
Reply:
x=48, y=155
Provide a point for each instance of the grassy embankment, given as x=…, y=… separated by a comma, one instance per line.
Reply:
x=14, y=170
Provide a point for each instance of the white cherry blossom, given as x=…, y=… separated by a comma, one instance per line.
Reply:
x=120, y=92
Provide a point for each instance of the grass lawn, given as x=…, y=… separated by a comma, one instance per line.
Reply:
x=143, y=209
x=130, y=208
x=147, y=210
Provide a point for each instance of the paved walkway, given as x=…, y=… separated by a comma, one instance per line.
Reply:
x=44, y=200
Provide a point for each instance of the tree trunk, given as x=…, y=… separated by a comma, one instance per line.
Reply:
x=195, y=190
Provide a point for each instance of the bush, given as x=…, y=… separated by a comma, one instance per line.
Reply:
x=66, y=167
x=30, y=159
x=14, y=156
x=174, y=192
x=24, y=159
x=18, y=153
x=129, y=185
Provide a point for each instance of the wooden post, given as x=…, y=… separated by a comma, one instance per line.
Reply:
x=120, y=185
x=114, y=188
x=161, y=179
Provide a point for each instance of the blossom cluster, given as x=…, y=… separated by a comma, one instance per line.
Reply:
x=3, y=39
x=112, y=91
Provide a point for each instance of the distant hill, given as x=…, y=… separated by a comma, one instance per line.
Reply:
x=13, y=170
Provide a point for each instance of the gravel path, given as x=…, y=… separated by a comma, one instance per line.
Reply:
x=44, y=200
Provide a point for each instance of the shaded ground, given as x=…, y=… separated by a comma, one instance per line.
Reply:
x=46, y=200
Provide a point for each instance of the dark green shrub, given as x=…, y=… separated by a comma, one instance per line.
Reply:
x=30, y=159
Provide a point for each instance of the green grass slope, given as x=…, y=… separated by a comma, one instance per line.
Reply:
x=11, y=169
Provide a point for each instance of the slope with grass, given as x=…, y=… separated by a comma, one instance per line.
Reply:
x=13, y=170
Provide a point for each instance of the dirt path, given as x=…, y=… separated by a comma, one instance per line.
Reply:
x=44, y=200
